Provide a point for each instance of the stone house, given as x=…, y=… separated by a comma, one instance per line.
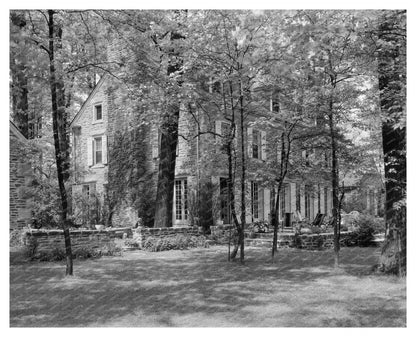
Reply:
x=20, y=174
x=364, y=194
x=102, y=121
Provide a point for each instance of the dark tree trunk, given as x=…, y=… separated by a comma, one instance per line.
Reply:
x=335, y=184
x=57, y=119
x=169, y=140
x=243, y=175
x=167, y=161
x=392, y=84
x=275, y=221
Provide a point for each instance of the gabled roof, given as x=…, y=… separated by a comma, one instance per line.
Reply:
x=16, y=132
x=78, y=114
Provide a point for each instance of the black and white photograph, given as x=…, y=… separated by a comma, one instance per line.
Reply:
x=207, y=168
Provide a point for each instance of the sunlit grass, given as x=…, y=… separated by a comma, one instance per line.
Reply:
x=200, y=288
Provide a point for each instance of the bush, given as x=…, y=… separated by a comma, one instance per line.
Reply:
x=177, y=242
x=259, y=227
x=363, y=234
x=16, y=238
x=132, y=243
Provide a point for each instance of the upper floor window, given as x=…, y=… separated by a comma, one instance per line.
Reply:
x=256, y=144
x=98, y=150
x=98, y=112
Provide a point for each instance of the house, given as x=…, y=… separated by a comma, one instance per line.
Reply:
x=364, y=194
x=20, y=174
x=107, y=137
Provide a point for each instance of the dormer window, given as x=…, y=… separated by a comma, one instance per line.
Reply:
x=98, y=112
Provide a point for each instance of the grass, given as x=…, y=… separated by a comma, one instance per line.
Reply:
x=199, y=288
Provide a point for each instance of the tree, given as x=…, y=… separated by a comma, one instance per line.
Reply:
x=391, y=43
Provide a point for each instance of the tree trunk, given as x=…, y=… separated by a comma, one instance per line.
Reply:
x=243, y=175
x=392, y=84
x=57, y=116
x=335, y=185
x=167, y=161
x=169, y=139
x=275, y=221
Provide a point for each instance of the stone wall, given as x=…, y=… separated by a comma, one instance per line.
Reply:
x=142, y=233
x=284, y=240
x=48, y=240
x=20, y=176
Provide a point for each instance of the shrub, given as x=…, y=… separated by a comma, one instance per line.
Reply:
x=16, y=238
x=259, y=227
x=177, y=242
x=132, y=243
x=363, y=234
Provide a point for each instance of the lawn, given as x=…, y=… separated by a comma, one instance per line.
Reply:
x=199, y=288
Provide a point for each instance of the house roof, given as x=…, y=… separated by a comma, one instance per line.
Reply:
x=78, y=114
x=16, y=132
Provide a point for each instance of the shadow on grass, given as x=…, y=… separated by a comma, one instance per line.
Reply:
x=185, y=288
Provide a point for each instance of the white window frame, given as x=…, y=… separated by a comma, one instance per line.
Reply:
x=94, y=150
x=181, y=207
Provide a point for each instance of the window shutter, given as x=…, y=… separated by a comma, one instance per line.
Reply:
x=266, y=202
x=89, y=151
x=156, y=145
x=105, y=151
x=236, y=136
x=218, y=130
x=304, y=154
x=261, y=204
x=263, y=145
x=250, y=142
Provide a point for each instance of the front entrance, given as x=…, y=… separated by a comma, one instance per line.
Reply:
x=225, y=201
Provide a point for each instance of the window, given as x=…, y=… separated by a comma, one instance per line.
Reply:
x=255, y=200
x=298, y=197
x=224, y=198
x=274, y=103
x=98, y=112
x=181, y=199
x=256, y=144
x=86, y=191
x=225, y=129
x=319, y=199
x=98, y=150
x=307, y=202
x=326, y=200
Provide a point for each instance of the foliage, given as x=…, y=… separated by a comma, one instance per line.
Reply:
x=365, y=228
x=90, y=210
x=16, y=238
x=259, y=227
x=130, y=242
x=176, y=242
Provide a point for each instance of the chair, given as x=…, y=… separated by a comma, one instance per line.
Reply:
x=319, y=219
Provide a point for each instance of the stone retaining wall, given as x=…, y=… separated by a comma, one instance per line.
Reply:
x=142, y=233
x=284, y=240
x=48, y=240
